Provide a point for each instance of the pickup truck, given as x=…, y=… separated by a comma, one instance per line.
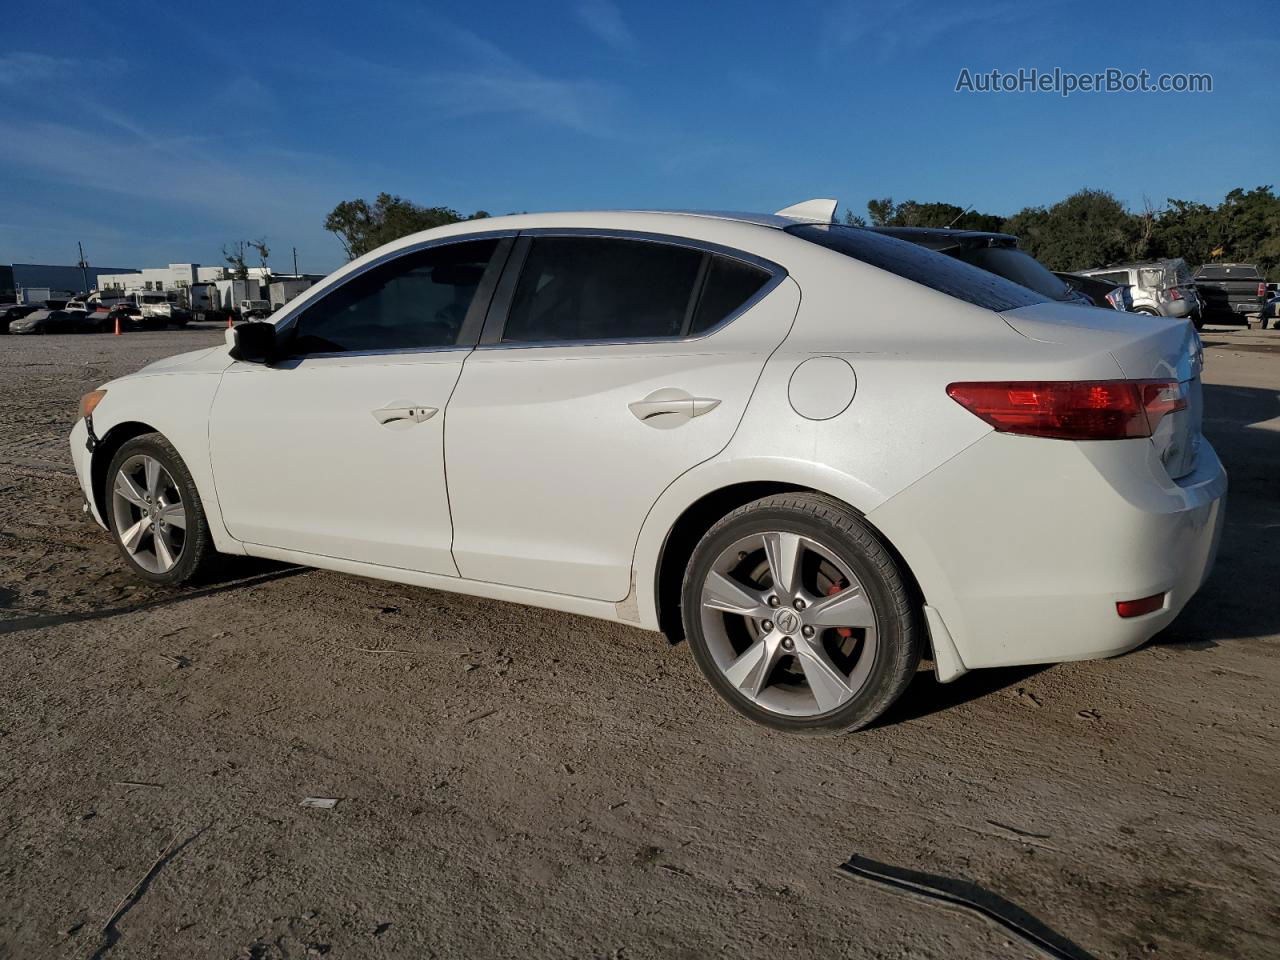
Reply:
x=1230, y=290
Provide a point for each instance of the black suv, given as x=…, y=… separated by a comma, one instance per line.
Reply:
x=996, y=253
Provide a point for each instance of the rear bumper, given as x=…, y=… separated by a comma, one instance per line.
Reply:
x=1024, y=546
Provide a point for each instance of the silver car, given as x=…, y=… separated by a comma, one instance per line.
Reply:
x=1160, y=288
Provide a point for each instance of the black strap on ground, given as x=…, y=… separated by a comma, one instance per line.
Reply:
x=961, y=894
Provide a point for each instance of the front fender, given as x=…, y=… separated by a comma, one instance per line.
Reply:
x=176, y=405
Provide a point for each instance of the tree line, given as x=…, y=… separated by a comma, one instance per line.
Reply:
x=1090, y=228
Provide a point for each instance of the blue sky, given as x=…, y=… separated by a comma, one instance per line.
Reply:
x=158, y=131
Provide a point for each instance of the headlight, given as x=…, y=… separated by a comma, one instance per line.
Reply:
x=89, y=402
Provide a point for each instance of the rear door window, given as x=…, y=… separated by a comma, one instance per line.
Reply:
x=729, y=285
x=920, y=265
x=583, y=289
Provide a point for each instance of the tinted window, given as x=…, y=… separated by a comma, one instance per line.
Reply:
x=1016, y=265
x=729, y=284
x=1117, y=278
x=415, y=301
x=594, y=288
x=1209, y=272
x=913, y=262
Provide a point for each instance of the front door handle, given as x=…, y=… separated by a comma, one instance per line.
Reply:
x=408, y=414
x=670, y=407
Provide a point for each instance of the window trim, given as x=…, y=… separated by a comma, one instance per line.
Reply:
x=500, y=307
x=468, y=335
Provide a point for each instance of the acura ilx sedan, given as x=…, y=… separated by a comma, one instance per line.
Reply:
x=818, y=453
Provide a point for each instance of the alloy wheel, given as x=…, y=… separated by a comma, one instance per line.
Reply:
x=149, y=515
x=788, y=624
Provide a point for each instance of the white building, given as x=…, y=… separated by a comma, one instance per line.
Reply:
x=175, y=276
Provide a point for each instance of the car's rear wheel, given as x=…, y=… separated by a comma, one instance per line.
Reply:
x=799, y=616
x=155, y=513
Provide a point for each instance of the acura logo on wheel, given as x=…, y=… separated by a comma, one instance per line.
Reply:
x=788, y=620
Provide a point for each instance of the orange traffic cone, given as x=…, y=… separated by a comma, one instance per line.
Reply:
x=117, y=325
x=229, y=316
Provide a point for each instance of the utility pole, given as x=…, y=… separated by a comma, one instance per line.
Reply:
x=84, y=268
x=295, y=261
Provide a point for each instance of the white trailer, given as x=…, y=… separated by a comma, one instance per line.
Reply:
x=283, y=289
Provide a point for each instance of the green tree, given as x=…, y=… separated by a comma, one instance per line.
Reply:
x=911, y=213
x=361, y=226
x=881, y=211
x=1090, y=228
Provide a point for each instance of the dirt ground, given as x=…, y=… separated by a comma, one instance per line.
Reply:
x=515, y=783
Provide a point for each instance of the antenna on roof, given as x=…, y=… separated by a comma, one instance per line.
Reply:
x=818, y=211
x=959, y=215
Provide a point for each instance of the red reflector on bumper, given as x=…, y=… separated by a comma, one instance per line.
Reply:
x=1136, y=608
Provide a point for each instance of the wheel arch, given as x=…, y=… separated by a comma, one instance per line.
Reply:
x=103, y=452
x=703, y=513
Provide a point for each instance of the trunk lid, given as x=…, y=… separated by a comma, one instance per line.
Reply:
x=1144, y=348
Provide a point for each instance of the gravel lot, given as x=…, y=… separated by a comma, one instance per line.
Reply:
x=514, y=782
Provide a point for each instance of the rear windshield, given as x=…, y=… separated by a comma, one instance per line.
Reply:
x=1217, y=272
x=916, y=263
x=1016, y=265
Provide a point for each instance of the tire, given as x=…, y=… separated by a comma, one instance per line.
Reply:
x=1147, y=311
x=812, y=673
x=159, y=554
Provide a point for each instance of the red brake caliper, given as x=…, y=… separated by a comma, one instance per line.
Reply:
x=845, y=632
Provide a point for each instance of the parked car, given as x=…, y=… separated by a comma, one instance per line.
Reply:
x=129, y=314
x=45, y=320
x=99, y=320
x=76, y=306
x=813, y=451
x=1160, y=288
x=14, y=311
x=1232, y=290
x=1271, y=310
x=253, y=309
x=996, y=253
x=1101, y=293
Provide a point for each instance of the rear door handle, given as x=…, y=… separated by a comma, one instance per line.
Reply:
x=387, y=416
x=670, y=407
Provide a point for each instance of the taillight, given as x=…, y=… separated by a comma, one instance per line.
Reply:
x=1072, y=409
x=1138, y=608
x=1262, y=290
x=1175, y=293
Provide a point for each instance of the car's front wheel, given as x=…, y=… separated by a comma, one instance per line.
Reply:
x=155, y=513
x=799, y=616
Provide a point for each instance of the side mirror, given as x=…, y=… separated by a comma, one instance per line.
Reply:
x=254, y=342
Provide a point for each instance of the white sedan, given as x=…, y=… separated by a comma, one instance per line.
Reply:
x=817, y=452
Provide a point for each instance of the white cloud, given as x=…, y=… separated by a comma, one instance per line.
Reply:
x=900, y=27
x=488, y=80
x=604, y=19
x=23, y=68
x=255, y=190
